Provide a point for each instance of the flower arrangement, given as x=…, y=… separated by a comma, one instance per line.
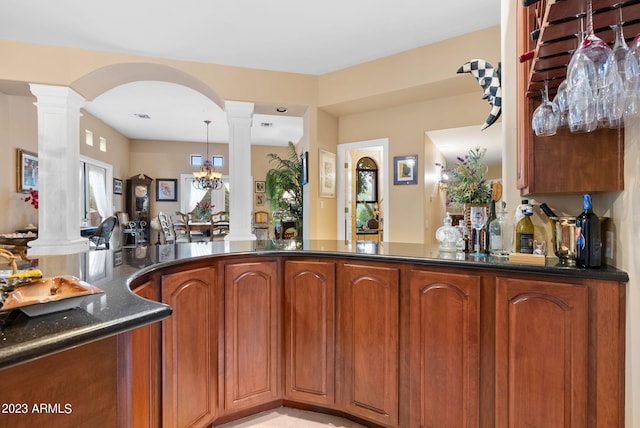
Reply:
x=203, y=209
x=467, y=179
x=32, y=199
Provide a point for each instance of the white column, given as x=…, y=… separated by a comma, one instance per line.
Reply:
x=58, y=169
x=240, y=116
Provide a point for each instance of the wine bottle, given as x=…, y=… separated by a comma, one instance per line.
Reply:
x=588, y=240
x=524, y=230
x=487, y=233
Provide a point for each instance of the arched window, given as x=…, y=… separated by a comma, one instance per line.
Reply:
x=366, y=193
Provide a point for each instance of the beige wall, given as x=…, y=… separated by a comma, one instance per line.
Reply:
x=18, y=129
x=405, y=127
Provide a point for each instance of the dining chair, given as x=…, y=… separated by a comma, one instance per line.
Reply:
x=219, y=225
x=168, y=236
x=100, y=238
x=180, y=222
x=261, y=225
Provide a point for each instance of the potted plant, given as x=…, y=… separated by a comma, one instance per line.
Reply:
x=283, y=184
x=467, y=182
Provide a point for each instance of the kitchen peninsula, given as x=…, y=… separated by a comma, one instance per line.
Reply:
x=394, y=335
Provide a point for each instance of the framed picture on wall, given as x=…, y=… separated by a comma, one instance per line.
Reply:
x=26, y=171
x=117, y=186
x=405, y=169
x=327, y=174
x=166, y=189
x=260, y=199
x=260, y=187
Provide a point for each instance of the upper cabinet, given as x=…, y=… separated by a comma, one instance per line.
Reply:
x=565, y=162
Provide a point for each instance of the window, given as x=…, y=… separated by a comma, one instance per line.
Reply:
x=94, y=192
x=190, y=196
x=88, y=137
x=366, y=193
x=103, y=144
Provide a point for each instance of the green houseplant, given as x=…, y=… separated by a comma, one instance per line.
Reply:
x=283, y=182
x=468, y=180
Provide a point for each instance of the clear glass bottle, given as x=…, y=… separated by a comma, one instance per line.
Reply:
x=462, y=246
x=448, y=235
x=501, y=233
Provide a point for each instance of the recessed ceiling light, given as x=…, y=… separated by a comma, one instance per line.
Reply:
x=142, y=115
x=281, y=109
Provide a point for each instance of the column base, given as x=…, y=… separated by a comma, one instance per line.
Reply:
x=39, y=247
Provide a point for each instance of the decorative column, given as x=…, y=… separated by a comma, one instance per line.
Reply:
x=58, y=163
x=240, y=116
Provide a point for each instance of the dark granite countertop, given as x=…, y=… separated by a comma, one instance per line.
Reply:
x=118, y=309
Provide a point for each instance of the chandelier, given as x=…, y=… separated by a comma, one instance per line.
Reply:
x=207, y=178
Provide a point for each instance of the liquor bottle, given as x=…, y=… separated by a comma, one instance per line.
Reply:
x=588, y=241
x=524, y=230
x=487, y=234
x=501, y=233
x=463, y=244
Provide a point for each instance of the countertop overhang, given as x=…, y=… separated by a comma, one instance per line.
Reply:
x=118, y=310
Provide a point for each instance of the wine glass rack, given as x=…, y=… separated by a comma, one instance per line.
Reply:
x=554, y=26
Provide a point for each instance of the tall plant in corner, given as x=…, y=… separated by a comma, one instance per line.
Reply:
x=283, y=182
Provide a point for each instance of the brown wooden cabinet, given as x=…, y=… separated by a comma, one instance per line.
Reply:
x=368, y=340
x=444, y=349
x=309, y=331
x=189, y=349
x=394, y=344
x=541, y=354
x=146, y=360
x=252, y=296
x=565, y=162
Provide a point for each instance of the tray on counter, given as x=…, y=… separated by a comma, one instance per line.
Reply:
x=48, y=295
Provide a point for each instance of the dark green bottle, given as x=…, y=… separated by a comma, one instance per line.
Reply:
x=490, y=218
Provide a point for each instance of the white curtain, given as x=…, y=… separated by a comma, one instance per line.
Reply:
x=191, y=196
x=98, y=183
x=217, y=198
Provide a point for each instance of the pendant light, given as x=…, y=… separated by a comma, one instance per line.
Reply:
x=207, y=178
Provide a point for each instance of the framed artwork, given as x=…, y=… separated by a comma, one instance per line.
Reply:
x=117, y=186
x=26, y=171
x=327, y=174
x=260, y=199
x=304, y=159
x=167, y=189
x=405, y=169
x=260, y=187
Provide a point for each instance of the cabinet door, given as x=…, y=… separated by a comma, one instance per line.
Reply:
x=368, y=341
x=251, y=334
x=145, y=367
x=541, y=354
x=309, y=331
x=444, y=350
x=189, y=348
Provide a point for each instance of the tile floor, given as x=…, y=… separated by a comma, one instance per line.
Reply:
x=284, y=417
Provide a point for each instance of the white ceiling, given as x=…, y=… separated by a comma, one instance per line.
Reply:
x=458, y=141
x=311, y=37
